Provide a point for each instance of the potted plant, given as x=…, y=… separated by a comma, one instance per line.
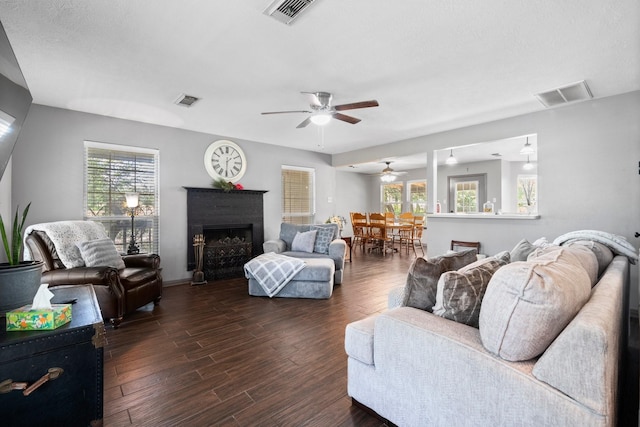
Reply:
x=19, y=280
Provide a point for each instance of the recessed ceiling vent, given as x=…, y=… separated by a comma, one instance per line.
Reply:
x=286, y=11
x=563, y=95
x=186, y=100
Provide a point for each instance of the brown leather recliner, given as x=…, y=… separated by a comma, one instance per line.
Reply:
x=119, y=292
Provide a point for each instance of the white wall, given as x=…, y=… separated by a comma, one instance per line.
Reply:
x=48, y=170
x=587, y=174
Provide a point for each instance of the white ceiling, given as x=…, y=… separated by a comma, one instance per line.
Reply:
x=432, y=66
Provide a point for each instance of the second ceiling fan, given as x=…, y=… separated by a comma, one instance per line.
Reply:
x=322, y=111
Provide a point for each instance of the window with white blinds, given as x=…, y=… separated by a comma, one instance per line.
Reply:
x=298, y=195
x=110, y=172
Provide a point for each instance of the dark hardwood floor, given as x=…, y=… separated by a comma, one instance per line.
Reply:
x=212, y=355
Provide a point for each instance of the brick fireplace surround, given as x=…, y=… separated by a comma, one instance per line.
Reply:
x=232, y=223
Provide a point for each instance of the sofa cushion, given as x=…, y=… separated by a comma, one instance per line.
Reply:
x=603, y=254
x=304, y=242
x=422, y=279
x=288, y=232
x=100, y=253
x=527, y=304
x=521, y=250
x=324, y=237
x=584, y=255
x=459, y=293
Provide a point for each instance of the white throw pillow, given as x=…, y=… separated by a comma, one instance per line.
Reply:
x=100, y=253
x=304, y=242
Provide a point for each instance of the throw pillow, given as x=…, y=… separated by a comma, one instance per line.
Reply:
x=459, y=294
x=324, y=237
x=527, y=304
x=521, y=250
x=100, y=253
x=422, y=280
x=304, y=242
x=603, y=254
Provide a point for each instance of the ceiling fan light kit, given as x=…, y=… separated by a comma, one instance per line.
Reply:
x=320, y=119
x=322, y=111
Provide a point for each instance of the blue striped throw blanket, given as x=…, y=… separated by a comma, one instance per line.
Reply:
x=273, y=271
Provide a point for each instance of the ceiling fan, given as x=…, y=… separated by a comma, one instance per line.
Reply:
x=322, y=111
x=388, y=174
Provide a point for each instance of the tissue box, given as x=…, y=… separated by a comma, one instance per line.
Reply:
x=26, y=319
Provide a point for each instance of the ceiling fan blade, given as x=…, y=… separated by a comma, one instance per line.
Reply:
x=285, y=112
x=354, y=105
x=304, y=123
x=345, y=118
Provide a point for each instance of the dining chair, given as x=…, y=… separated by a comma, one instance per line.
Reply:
x=405, y=231
x=459, y=245
x=392, y=232
x=416, y=239
x=378, y=232
x=359, y=225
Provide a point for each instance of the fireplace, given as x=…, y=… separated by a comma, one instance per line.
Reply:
x=227, y=248
x=232, y=224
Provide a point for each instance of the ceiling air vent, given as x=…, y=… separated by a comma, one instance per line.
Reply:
x=286, y=11
x=563, y=95
x=186, y=100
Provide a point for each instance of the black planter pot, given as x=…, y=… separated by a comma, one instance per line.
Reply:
x=18, y=284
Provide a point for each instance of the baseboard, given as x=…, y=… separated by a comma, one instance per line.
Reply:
x=167, y=283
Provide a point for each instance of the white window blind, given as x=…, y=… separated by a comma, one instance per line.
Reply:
x=110, y=172
x=298, y=195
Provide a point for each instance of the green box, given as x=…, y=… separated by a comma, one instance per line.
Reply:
x=26, y=319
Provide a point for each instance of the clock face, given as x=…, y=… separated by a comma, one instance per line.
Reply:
x=226, y=160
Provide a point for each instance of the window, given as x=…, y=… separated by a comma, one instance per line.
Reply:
x=527, y=193
x=392, y=198
x=467, y=192
x=110, y=172
x=298, y=195
x=417, y=196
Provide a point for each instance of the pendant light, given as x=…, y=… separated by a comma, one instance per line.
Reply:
x=527, y=149
x=527, y=166
x=451, y=160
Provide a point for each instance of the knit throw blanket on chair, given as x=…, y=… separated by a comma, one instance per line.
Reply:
x=65, y=235
x=273, y=271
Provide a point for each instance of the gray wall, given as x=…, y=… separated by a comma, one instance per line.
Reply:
x=48, y=170
x=587, y=174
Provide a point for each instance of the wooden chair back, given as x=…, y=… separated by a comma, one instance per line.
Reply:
x=458, y=245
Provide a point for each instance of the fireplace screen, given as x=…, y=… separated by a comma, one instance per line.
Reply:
x=226, y=252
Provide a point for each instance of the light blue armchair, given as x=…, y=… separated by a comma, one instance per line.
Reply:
x=336, y=251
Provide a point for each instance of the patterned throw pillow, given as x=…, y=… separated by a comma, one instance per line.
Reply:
x=100, y=253
x=459, y=293
x=422, y=280
x=304, y=242
x=323, y=239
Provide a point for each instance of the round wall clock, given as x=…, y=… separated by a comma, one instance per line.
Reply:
x=225, y=159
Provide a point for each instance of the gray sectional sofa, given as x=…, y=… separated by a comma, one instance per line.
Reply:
x=336, y=247
x=518, y=368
